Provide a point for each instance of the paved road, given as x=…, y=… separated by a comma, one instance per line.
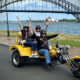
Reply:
x=33, y=70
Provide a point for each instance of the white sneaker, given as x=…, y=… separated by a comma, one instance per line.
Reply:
x=32, y=56
x=36, y=55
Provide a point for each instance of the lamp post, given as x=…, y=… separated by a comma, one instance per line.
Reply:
x=8, y=34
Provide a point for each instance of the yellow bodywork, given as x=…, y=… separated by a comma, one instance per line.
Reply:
x=73, y=58
x=26, y=51
x=23, y=51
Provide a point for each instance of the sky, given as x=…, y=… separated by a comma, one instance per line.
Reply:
x=36, y=16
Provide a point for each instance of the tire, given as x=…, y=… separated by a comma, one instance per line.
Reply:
x=77, y=65
x=17, y=60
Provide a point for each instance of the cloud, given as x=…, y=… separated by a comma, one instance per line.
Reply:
x=59, y=15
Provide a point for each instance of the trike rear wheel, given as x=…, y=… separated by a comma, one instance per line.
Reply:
x=17, y=60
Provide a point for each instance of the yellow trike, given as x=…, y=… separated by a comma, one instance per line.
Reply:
x=22, y=53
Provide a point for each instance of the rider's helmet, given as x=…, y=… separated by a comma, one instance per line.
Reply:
x=26, y=27
x=38, y=27
x=43, y=31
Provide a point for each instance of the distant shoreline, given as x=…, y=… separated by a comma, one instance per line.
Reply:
x=38, y=22
x=60, y=21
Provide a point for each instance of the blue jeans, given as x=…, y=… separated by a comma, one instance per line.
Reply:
x=32, y=45
x=44, y=52
x=49, y=44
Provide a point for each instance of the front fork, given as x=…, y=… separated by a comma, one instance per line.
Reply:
x=70, y=61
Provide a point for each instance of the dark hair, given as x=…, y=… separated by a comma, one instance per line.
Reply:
x=26, y=27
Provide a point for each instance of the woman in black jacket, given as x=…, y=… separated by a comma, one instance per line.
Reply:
x=42, y=44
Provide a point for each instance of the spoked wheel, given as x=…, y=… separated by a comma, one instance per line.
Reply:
x=76, y=63
x=17, y=60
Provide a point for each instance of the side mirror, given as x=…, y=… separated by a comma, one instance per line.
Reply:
x=58, y=42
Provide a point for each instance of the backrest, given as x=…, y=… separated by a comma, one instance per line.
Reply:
x=19, y=34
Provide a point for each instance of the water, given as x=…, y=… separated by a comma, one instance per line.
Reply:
x=66, y=28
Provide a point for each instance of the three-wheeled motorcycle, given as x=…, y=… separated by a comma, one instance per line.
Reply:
x=22, y=53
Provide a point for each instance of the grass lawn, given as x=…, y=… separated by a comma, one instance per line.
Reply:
x=67, y=42
x=72, y=40
x=10, y=31
x=14, y=36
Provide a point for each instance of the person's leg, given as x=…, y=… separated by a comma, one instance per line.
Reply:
x=32, y=46
x=49, y=45
x=35, y=47
x=45, y=53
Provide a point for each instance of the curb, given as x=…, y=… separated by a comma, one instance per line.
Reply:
x=5, y=44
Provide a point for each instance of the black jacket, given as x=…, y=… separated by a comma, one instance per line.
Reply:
x=41, y=42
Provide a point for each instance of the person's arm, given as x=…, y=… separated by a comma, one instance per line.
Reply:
x=36, y=37
x=46, y=25
x=19, y=22
x=31, y=32
x=52, y=36
x=30, y=25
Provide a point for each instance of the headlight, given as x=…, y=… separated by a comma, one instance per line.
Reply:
x=67, y=47
x=58, y=51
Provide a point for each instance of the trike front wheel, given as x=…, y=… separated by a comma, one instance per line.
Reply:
x=77, y=66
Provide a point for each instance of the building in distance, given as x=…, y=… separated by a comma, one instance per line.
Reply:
x=50, y=20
